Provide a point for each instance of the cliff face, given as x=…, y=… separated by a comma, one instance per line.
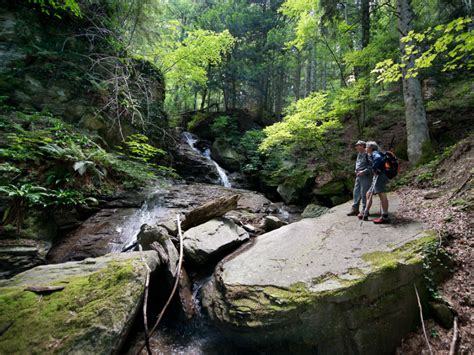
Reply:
x=72, y=68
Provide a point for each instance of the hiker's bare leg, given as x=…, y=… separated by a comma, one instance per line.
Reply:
x=369, y=203
x=384, y=202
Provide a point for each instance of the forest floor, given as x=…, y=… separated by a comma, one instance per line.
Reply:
x=446, y=204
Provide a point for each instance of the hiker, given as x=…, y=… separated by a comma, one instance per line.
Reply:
x=363, y=172
x=379, y=183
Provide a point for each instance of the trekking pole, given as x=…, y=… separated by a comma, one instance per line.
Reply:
x=371, y=192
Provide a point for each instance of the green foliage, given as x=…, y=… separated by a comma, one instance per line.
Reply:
x=424, y=177
x=63, y=158
x=226, y=127
x=196, y=120
x=8, y=168
x=138, y=148
x=30, y=195
x=452, y=43
x=248, y=147
x=453, y=96
x=55, y=7
x=304, y=126
x=185, y=56
x=21, y=198
x=436, y=262
x=305, y=142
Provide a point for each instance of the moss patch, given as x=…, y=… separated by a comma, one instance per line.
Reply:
x=409, y=253
x=90, y=310
x=255, y=303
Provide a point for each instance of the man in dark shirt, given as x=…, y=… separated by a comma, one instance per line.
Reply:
x=363, y=173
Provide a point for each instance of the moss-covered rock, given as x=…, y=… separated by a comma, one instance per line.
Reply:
x=312, y=210
x=92, y=314
x=325, y=285
x=225, y=155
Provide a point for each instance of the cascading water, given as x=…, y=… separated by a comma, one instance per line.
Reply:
x=151, y=210
x=191, y=140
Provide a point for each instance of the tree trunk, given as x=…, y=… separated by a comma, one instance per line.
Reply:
x=234, y=94
x=365, y=40
x=417, y=126
x=309, y=74
x=203, y=102
x=298, y=76
x=279, y=92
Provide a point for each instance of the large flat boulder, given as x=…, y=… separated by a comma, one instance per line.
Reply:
x=212, y=240
x=91, y=311
x=323, y=285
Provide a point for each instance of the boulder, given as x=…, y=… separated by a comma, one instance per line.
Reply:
x=254, y=202
x=288, y=192
x=330, y=189
x=323, y=285
x=192, y=165
x=225, y=155
x=148, y=235
x=17, y=255
x=272, y=222
x=170, y=226
x=157, y=238
x=210, y=210
x=312, y=210
x=89, y=309
x=212, y=240
x=334, y=192
x=97, y=236
x=442, y=313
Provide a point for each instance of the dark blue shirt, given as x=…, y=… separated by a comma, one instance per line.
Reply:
x=377, y=162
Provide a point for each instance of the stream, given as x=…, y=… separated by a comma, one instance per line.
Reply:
x=151, y=210
x=197, y=336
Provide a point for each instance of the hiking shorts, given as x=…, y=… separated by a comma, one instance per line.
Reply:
x=379, y=184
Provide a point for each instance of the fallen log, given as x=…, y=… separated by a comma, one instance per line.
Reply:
x=210, y=210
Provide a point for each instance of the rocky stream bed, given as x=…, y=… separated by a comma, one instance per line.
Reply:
x=257, y=276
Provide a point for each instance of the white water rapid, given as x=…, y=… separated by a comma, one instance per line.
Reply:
x=150, y=211
x=191, y=140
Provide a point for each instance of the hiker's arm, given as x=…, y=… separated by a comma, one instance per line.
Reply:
x=368, y=169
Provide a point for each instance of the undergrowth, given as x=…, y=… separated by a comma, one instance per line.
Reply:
x=45, y=162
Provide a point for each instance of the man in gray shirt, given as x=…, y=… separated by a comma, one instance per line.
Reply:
x=363, y=172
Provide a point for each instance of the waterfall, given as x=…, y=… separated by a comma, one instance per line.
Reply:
x=150, y=211
x=191, y=140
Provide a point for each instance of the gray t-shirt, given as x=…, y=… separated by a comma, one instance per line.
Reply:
x=363, y=163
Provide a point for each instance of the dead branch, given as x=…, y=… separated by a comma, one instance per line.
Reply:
x=177, y=275
x=145, y=301
x=452, y=348
x=462, y=186
x=422, y=321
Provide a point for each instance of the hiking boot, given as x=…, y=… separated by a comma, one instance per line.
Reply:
x=361, y=216
x=353, y=212
x=382, y=220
